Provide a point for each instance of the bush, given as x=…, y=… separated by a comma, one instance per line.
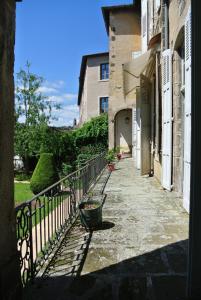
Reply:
x=45, y=174
x=110, y=156
x=22, y=177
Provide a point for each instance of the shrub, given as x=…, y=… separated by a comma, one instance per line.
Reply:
x=45, y=173
x=110, y=156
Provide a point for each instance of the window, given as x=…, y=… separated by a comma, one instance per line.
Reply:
x=104, y=71
x=103, y=105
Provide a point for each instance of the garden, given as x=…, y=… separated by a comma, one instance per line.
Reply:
x=49, y=153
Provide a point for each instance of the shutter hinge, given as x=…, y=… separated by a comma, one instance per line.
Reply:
x=172, y=119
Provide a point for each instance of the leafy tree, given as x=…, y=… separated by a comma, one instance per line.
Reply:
x=33, y=113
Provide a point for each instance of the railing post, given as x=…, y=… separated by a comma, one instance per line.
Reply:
x=31, y=241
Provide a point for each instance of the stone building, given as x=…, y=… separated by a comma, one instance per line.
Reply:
x=124, y=31
x=93, y=86
x=160, y=80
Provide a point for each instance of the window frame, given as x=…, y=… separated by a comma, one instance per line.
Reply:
x=101, y=72
x=100, y=98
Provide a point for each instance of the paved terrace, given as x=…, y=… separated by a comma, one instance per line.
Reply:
x=139, y=253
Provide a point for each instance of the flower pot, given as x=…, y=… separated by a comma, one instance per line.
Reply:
x=119, y=156
x=111, y=167
x=91, y=213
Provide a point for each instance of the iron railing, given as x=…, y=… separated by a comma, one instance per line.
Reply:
x=42, y=221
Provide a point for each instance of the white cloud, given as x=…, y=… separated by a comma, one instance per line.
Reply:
x=70, y=96
x=47, y=90
x=57, y=95
x=66, y=115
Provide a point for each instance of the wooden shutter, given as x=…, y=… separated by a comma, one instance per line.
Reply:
x=144, y=26
x=145, y=114
x=167, y=119
x=187, y=113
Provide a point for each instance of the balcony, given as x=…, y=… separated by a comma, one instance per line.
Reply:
x=140, y=252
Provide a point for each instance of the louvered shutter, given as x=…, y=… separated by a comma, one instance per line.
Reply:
x=167, y=119
x=144, y=26
x=138, y=135
x=134, y=132
x=187, y=113
x=157, y=5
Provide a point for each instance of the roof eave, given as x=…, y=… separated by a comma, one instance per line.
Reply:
x=107, y=9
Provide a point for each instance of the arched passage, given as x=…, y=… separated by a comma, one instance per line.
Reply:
x=123, y=131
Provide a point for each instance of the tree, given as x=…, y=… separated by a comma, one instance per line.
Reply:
x=33, y=112
x=45, y=173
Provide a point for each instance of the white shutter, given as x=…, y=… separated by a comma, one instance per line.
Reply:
x=134, y=134
x=167, y=119
x=187, y=114
x=144, y=26
x=138, y=135
x=157, y=5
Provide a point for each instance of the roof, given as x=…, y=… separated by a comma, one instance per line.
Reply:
x=83, y=69
x=107, y=9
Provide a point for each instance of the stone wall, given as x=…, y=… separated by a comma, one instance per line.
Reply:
x=9, y=263
x=125, y=38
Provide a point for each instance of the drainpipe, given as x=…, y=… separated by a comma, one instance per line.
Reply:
x=165, y=24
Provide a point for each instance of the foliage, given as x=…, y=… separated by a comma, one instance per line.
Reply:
x=22, y=177
x=33, y=112
x=117, y=150
x=93, y=132
x=45, y=173
x=110, y=156
x=66, y=169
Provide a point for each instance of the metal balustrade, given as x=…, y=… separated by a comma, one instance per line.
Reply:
x=42, y=221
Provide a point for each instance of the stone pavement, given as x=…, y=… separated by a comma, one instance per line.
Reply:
x=139, y=253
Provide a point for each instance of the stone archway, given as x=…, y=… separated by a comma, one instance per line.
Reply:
x=123, y=130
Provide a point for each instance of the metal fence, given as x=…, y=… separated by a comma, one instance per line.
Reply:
x=42, y=221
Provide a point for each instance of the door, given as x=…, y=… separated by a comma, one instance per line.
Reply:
x=145, y=113
x=187, y=114
x=167, y=120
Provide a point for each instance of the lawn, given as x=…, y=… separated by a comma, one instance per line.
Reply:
x=22, y=192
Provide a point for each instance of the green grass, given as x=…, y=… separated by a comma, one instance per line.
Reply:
x=22, y=192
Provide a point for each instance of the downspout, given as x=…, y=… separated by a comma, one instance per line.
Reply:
x=165, y=24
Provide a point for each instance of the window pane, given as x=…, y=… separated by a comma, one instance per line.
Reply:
x=104, y=71
x=103, y=104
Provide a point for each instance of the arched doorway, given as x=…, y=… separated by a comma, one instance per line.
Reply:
x=123, y=131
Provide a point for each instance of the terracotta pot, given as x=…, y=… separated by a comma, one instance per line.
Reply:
x=111, y=167
x=119, y=156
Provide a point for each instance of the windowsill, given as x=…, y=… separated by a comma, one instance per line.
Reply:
x=103, y=80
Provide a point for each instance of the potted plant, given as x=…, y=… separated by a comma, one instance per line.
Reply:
x=91, y=212
x=118, y=153
x=110, y=157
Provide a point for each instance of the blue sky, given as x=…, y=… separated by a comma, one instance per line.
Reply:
x=53, y=36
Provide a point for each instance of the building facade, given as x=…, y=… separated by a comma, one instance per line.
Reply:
x=162, y=115
x=150, y=88
x=124, y=32
x=93, y=86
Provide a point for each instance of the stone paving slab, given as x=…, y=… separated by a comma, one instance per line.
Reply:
x=139, y=253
